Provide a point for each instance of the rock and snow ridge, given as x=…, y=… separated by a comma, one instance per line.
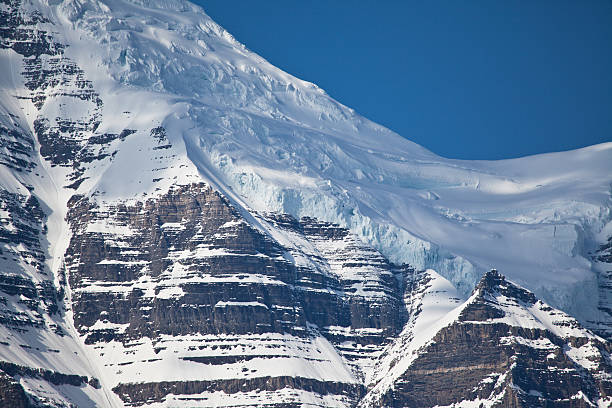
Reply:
x=502, y=347
x=296, y=218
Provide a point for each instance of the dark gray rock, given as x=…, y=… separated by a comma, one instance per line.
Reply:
x=476, y=358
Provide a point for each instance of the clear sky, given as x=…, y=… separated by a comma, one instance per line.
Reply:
x=466, y=79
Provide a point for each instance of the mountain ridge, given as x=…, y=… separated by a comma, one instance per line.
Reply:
x=170, y=199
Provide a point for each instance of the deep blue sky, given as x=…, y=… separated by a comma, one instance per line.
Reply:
x=466, y=79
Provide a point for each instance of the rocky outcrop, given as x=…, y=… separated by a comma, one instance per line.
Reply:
x=370, y=310
x=16, y=148
x=12, y=393
x=141, y=394
x=18, y=31
x=159, y=253
x=187, y=263
x=507, y=349
x=51, y=376
x=21, y=227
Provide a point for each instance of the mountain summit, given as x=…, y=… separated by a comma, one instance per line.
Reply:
x=183, y=224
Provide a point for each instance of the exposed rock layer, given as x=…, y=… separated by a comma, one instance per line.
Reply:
x=485, y=355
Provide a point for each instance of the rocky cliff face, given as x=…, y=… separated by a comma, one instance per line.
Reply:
x=41, y=364
x=505, y=348
x=189, y=274
x=131, y=274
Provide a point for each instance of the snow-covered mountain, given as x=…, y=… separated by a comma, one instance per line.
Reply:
x=183, y=224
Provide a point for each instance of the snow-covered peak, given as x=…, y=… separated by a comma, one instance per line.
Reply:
x=505, y=323
x=496, y=300
x=185, y=196
x=175, y=49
